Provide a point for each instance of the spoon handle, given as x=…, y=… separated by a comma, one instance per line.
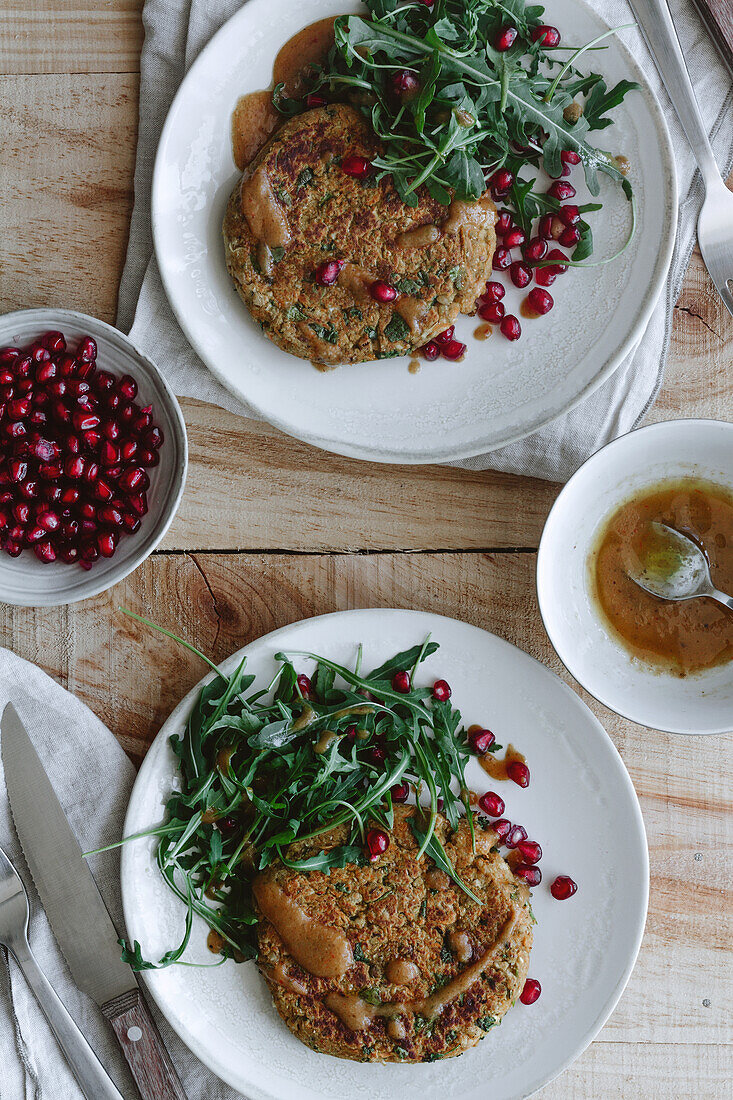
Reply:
x=727, y=601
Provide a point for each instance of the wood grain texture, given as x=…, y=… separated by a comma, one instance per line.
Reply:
x=64, y=36
x=132, y=678
x=143, y=1048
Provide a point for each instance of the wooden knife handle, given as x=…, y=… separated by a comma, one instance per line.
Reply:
x=137, y=1034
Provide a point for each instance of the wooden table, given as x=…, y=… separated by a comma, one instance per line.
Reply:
x=270, y=531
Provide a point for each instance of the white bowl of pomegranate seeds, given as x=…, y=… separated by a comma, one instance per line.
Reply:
x=685, y=458
x=93, y=457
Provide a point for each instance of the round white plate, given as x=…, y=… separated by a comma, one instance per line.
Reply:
x=379, y=411
x=580, y=805
x=698, y=703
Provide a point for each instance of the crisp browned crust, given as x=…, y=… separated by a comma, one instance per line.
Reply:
x=334, y=216
x=389, y=910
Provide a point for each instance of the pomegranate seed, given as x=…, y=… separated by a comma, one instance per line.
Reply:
x=17, y=469
x=70, y=528
x=46, y=371
x=544, y=228
x=502, y=828
x=6, y=379
x=139, y=503
x=109, y=454
x=127, y=386
x=128, y=450
x=88, y=551
x=441, y=691
x=401, y=682
x=491, y=311
x=531, y=991
x=569, y=156
x=510, y=327
x=515, y=835
x=8, y=355
x=480, y=741
x=520, y=274
x=531, y=875
x=74, y=466
x=91, y=470
x=561, y=191
x=131, y=522
x=540, y=301
x=148, y=458
x=453, y=350
x=304, y=686
x=86, y=349
x=376, y=754
x=405, y=84
x=535, y=249
x=382, y=292
x=502, y=259
x=69, y=495
x=154, y=438
x=82, y=420
x=111, y=430
x=356, y=166
x=17, y=533
x=38, y=353
x=400, y=792
x=69, y=554
x=34, y=534
x=21, y=512
x=563, y=888
x=545, y=276
x=19, y=408
x=313, y=99
x=501, y=182
x=556, y=254
x=29, y=488
x=328, y=272
x=445, y=336
x=570, y=236
x=518, y=772
x=133, y=479
x=494, y=291
x=505, y=38
x=13, y=548
x=104, y=381
x=14, y=429
x=22, y=367
x=377, y=843
x=49, y=521
x=531, y=851
x=65, y=365
x=503, y=223
x=102, y=490
x=45, y=552
x=492, y=804
x=547, y=35
x=430, y=351
x=514, y=238
x=87, y=510
x=107, y=544
x=569, y=215
x=50, y=471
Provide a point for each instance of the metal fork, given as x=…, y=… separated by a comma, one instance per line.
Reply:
x=715, y=223
x=14, y=914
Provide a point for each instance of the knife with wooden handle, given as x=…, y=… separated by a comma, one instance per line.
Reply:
x=78, y=916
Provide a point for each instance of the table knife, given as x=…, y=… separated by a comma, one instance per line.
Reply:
x=78, y=916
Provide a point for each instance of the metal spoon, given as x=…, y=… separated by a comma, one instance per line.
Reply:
x=675, y=568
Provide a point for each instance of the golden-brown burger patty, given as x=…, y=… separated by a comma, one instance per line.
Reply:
x=397, y=938
x=297, y=199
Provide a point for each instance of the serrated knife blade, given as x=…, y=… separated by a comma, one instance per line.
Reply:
x=74, y=907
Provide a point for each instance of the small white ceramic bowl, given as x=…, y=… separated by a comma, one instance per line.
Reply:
x=25, y=580
x=699, y=703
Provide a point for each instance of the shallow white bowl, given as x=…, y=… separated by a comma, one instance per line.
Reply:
x=699, y=703
x=25, y=580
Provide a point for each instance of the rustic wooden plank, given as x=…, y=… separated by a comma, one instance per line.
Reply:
x=132, y=678
x=64, y=36
x=645, y=1071
x=66, y=162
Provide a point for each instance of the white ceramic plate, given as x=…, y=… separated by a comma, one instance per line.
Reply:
x=379, y=411
x=699, y=703
x=580, y=805
x=25, y=580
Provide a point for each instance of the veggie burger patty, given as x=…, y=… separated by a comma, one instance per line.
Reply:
x=295, y=208
x=392, y=961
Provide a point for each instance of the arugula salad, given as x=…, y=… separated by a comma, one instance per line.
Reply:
x=489, y=92
x=263, y=766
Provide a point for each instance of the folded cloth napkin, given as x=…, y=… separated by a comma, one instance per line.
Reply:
x=93, y=779
x=175, y=33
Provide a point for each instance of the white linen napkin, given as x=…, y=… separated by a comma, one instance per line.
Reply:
x=176, y=31
x=93, y=779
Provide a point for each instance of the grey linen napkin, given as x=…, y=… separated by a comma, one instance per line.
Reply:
x=175, y=33
x=93, y=779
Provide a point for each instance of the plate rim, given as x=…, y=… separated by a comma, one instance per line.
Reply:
x=209, y=1058
x=450, y=454
x=680, y=731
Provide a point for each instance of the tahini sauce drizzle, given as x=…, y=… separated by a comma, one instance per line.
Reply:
x=319, y=949
x=265, y=216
